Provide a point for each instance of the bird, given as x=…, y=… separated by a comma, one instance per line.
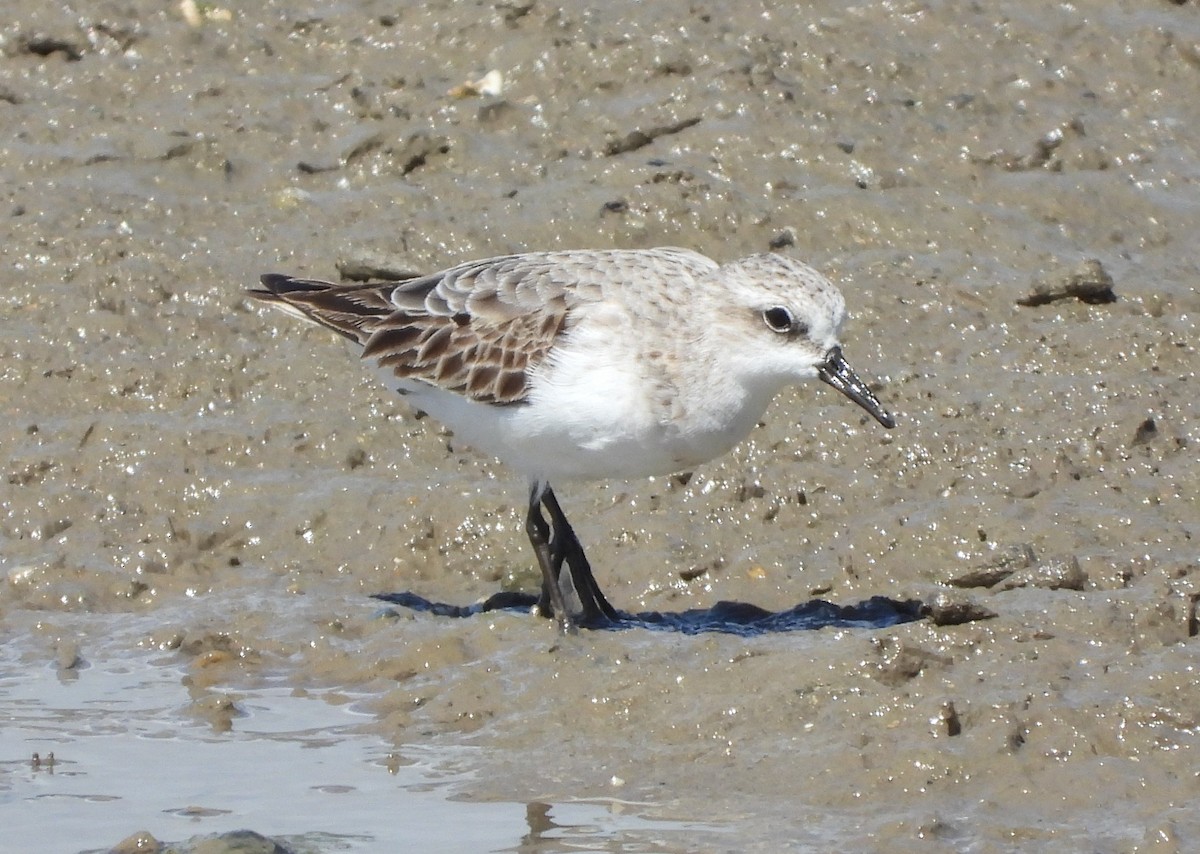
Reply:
x=589, y=365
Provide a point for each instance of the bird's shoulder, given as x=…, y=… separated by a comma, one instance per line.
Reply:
x=504, y=288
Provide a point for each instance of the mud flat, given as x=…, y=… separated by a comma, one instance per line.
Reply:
x=1008, y=200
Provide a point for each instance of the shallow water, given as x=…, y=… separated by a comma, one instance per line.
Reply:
x=199, y=497
x=113, y=754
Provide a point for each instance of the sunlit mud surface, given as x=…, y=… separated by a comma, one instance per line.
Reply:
x=200, y=497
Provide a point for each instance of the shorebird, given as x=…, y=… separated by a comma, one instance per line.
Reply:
x=591, y=364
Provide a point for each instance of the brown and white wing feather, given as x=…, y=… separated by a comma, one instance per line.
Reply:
x=485, y=361
x=479, y=329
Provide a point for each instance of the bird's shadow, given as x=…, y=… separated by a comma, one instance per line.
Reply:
x=735, y=618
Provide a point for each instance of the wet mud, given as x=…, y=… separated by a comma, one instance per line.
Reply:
x=1007, y=198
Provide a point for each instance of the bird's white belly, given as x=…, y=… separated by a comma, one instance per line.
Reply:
x=586, y=435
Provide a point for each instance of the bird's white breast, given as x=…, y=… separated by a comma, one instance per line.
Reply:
x=602, y=405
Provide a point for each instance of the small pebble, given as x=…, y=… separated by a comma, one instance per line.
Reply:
x=1057, y=573
x=953, y=610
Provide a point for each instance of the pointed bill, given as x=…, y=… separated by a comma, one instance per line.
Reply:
x=836, y=371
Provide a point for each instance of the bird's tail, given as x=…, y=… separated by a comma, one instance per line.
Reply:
x=354, y=311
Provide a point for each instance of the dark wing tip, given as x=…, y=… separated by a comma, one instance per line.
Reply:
x=280, y=284
x=274, y=282
x=279, y=287
x=273, y=285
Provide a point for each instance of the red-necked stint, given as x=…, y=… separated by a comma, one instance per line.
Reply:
x=592, y=364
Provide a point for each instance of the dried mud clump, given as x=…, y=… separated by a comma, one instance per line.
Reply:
x=1089, y=282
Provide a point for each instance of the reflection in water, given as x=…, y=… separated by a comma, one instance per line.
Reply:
x=587, y=826
x=131, y=759
x=537, y=816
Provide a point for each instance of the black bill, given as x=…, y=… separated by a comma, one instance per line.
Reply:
x=837, y=372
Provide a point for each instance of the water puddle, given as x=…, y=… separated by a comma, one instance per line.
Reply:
x=117, y=753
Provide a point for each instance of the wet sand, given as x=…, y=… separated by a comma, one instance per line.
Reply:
x=233, y=484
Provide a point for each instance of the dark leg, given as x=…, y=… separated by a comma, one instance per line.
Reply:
x=551, y=602
x=566, y=548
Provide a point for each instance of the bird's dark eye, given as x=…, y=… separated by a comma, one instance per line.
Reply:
x=778, y=318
